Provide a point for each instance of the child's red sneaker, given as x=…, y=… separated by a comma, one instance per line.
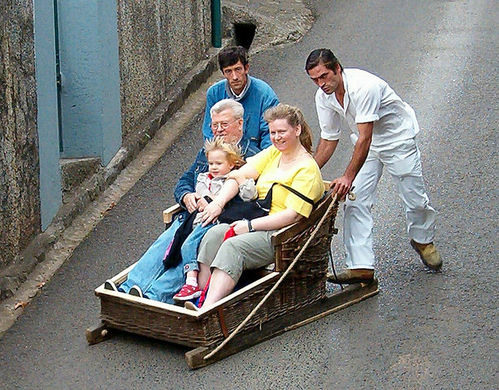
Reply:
x=186, y=293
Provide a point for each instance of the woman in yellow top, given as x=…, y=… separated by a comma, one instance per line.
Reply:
x=288, y=161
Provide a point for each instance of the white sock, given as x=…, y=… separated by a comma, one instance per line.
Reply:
x=192, y=280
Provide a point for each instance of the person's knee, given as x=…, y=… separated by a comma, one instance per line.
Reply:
x=414, y=195
x=418, y=205
x=210, y=244
x=357, y=206
x=229, y=260
x=231, y=274
x=215, y=234
x=229, y=246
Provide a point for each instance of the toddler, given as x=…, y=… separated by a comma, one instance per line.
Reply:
x=222, y=158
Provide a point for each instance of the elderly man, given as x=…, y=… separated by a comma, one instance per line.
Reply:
x=149, y=277
x=384, y=130
x=255, y=95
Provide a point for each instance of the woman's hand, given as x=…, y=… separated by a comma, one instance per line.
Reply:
x=214, y=209
x=211, y=213
x=240, y=227
x=190, y=201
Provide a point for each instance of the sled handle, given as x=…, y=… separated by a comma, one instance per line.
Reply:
x=250, y=315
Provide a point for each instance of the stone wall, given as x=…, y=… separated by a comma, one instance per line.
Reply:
x=159, y=42
x=19, y=178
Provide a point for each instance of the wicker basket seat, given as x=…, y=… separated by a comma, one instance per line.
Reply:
x=304, y=285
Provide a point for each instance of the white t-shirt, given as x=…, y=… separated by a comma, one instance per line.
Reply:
x=367, y=99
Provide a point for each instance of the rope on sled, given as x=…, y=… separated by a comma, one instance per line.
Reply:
x=288, y=270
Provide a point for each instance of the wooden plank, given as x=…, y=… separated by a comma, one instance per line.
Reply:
x=170, y=212
x=166, y=308
x=97, y=333
x=350, y=295
x=151, y=305
x=195, y=357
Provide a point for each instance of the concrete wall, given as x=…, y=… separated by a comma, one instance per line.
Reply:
x=19, y=178
x=159, y=41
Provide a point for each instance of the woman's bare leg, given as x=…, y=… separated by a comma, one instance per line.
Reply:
x=221, y=285
x=203, y=275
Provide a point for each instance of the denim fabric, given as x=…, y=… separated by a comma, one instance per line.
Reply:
x=248, y=149
x=187, y=182
x=149, y=273
x=167, y=284
x=189, y=249
x=150, y=265
x=171, y=280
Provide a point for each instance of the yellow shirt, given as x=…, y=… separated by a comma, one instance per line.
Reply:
x=305, y=177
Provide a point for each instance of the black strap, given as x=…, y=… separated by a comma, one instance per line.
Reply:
x=298, y=194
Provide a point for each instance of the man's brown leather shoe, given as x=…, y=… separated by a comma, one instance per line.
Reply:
x=429, y=255
x=350, y=276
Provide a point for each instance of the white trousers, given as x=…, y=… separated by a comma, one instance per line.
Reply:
x=403, y=162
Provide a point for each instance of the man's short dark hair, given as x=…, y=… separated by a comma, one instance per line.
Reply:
x=231, y=55
x=324, y=57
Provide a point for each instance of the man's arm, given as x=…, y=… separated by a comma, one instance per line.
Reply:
x=330, y=124
x=324, y=151
x=343, y=184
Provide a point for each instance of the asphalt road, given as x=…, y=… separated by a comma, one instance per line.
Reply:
x=424, y=330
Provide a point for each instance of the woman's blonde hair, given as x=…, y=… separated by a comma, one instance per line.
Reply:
x=232, y=152
x=294, y=117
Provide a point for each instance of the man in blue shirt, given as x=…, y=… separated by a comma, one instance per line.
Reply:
x=255, y=95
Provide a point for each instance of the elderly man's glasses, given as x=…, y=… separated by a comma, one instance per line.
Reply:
x=222, y=125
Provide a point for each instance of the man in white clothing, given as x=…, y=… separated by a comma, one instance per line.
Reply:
x=384, y=130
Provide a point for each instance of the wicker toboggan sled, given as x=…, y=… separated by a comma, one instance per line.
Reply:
x=300, y=298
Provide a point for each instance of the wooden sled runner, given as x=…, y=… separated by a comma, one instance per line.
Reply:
x=300, y=299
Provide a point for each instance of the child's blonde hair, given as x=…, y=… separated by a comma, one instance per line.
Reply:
x=232, y=152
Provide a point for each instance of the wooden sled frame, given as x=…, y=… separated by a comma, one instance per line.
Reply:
x=334, y=302
x=205, y=329
x=350, y=295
